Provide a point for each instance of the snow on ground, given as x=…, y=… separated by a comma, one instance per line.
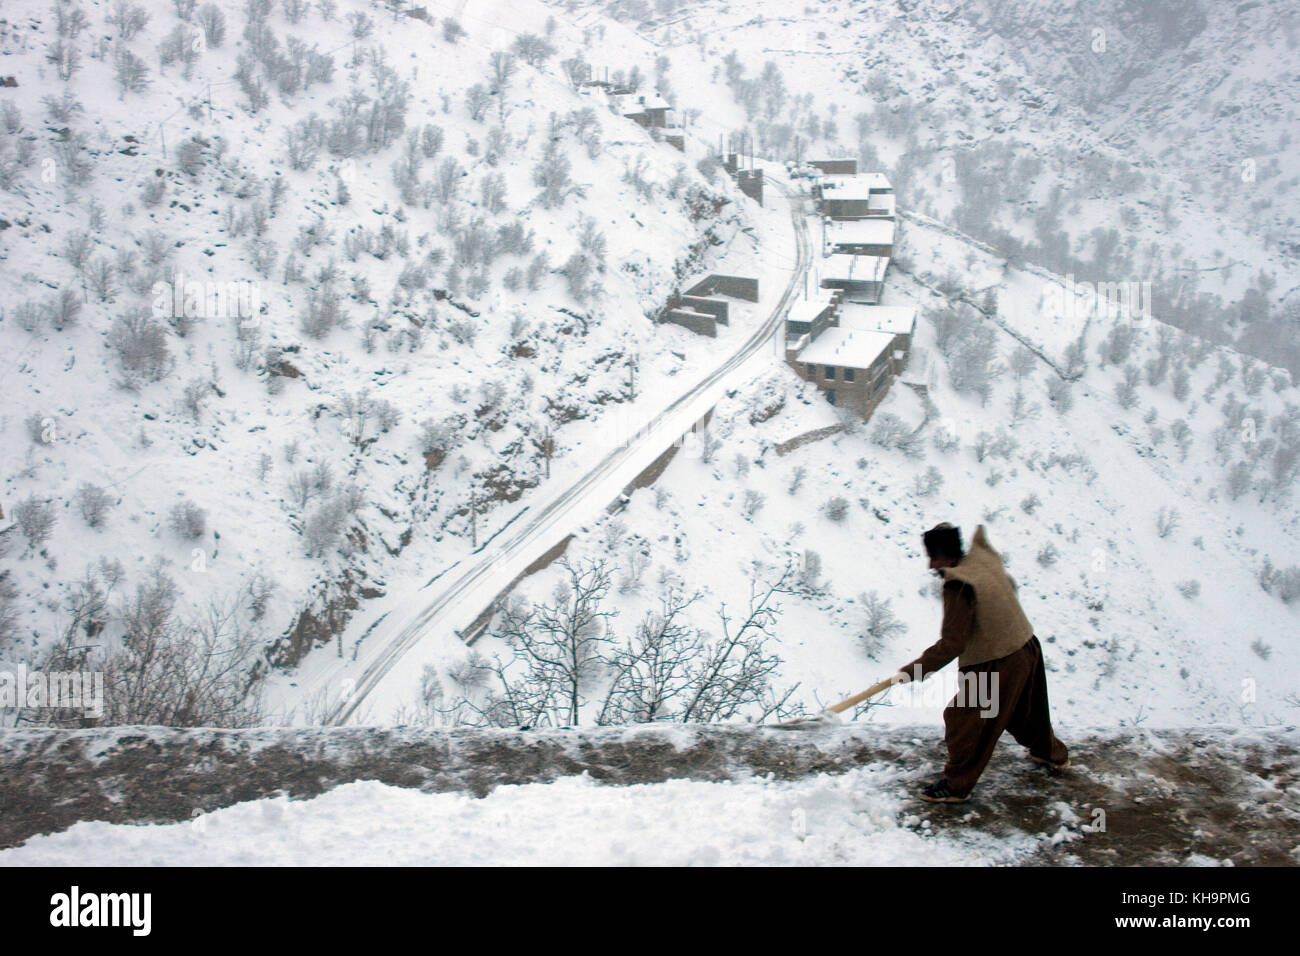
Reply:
x=850, y=819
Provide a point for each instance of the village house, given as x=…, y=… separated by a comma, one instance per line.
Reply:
x=808, y=317
x=865, y=237
x=849, y=350
x=860, y=196
x=651, y=111
x=860, y=278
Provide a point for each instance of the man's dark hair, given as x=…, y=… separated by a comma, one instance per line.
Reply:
x=943, y=541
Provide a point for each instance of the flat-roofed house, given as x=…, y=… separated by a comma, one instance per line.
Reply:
x=855, y=197
x=865, y=237
x=854, y=367
x=808, y=317
x=647, y=109
x=851, y=351
x=860, y=278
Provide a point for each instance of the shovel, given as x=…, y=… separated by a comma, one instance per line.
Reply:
x=830, y=716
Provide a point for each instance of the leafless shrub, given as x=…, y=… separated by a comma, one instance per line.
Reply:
x=879, y=622
x=101, y=278
x=552, y=176
x=837, y=509
x=212, y=21
x=324, y=313
x=188, y=520
x=927, y=484
x=35, y=519
x=169, y=672
x=128, y=17
x=891, y=432
x=1059, y=393
x=452, y=30
x=130, y=73
x=94, y=503
x=140, y=344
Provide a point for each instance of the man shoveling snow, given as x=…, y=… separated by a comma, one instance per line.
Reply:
x=986, y=630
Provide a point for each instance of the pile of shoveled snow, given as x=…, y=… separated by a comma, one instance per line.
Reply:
x=851, y=818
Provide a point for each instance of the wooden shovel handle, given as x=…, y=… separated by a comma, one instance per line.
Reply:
x=871, y=691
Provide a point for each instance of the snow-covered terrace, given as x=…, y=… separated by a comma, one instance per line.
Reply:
x=894, y=319
x=846, y=267
x=860, y=232
x=859, y=186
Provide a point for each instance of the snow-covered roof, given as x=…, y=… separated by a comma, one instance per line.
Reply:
x=852, y=348
x=630, y=104
x=805, y=310
x=894, y=319
x=845, y=266
x=859, y=186
x=865, y=232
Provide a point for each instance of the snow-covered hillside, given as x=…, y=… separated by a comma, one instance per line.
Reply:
x=439, y=270
x=454, y=253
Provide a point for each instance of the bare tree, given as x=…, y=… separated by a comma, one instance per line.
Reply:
x=558, y=648
x=168, y=671
x=735, y=671
x=652, y=672
x=503, y=69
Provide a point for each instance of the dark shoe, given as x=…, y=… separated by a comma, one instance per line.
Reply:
x=938, y=792
x=1050, y=763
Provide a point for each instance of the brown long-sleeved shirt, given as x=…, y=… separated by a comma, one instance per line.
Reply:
x=958, y=623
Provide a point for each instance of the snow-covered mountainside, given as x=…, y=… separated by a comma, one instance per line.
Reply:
x=440, y=266
x=454, y=255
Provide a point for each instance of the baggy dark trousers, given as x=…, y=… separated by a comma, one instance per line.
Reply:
x=1022, y=710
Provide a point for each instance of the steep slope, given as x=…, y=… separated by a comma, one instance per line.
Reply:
x=443, y=273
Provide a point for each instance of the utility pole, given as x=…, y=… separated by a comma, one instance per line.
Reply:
x=473, y=517
x=548, y=449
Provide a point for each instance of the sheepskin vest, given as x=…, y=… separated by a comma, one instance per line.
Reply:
x=1000, y=627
